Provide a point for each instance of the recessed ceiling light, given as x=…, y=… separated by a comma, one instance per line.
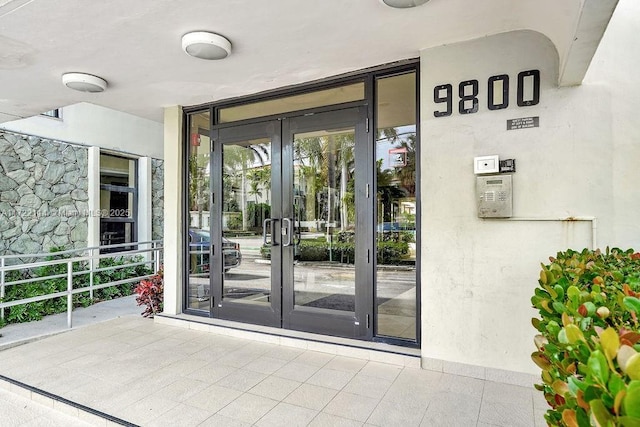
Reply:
x=205, y=45
x=84, y=82
x=403, y=4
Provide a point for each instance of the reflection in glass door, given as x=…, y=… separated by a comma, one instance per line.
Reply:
x=324, y=218
x=323, y=291
x=245, y=287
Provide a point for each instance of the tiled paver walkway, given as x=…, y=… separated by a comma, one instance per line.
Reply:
x=159, y=375
x=17, y=411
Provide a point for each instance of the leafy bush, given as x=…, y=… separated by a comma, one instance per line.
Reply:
x=588, y=346
x=343, y=249
x=392, y=252
x=48, y=285
x=151, y=294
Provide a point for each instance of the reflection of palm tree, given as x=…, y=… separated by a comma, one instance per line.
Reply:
x=198, y=184
x=321, y=162
x=243, y=157
x=399, y=182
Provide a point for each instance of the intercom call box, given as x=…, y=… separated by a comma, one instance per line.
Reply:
x=494, y=196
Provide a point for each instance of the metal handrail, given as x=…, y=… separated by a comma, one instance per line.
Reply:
x=88, y=248
x=155, y=251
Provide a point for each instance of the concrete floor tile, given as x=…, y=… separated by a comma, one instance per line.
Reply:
x=182, y=389
x=512, y=413
x=388, y=413
x=448, y=409
x=311, y=396
x=213, y=398
x=217, y=420
x=181, y=415
x=297, y=371
x=381, y=370
x=275, y=388
x=241, y=380
x=352, y=406
x=248, y=408
x=147, y=409
x=365, y=385
x=265, y=365
x=497, y=392
x=331, y=378
x=327, y=420
x=314, y=358
x=285, y=414
x=348, y=364
x=211, y=372
x=284, y=353
x=462, y=385
x=239, y=358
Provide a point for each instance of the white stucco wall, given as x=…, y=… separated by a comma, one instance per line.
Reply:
x=93, y=125
x=478, y=275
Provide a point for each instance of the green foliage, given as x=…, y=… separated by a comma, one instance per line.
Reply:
x=392, y=250
x=589, y=341
x=55, y=280
x=256, y=214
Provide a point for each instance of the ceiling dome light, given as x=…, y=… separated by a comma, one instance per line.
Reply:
x=84, y=82
x=204, y=45
x=403, y=4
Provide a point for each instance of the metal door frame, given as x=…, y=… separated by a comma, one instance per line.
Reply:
x=282, y=312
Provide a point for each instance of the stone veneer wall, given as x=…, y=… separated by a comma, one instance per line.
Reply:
x=43, y=194
x=157, y=198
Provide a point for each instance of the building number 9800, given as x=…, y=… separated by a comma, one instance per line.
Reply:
x=528, y=93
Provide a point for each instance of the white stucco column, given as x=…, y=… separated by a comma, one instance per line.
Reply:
x=173, y=178
x=144, y=199
x=93, y=190
x=144, y=217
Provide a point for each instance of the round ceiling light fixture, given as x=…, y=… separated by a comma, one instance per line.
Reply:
x=404, y=4
x=84, y=82
x=205, y=45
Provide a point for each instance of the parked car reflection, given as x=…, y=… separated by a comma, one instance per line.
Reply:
x=200, y=248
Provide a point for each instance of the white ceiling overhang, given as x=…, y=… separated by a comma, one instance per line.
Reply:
x=136, y=47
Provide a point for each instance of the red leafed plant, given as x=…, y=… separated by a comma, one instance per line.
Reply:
x=151, y=293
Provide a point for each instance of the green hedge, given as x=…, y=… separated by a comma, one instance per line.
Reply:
x=37, y=310
x=588, y=347
x=389, y=252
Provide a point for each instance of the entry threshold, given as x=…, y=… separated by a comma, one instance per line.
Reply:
x=367, y=350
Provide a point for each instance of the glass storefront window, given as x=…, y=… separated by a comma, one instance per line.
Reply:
x=396, y=206
x=320, y=98
x=118, y=194
x=199, y=239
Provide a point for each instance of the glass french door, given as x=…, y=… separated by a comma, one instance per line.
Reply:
x=291, y=226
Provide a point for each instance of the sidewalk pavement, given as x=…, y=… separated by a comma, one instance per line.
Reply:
x=141, y=372
x=19, y=333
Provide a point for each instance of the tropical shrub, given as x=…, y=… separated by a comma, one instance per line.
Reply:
x=589, y=342
x=151, y=294
x=343, y=249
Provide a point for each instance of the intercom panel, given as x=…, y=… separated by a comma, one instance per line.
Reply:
x=494, y=196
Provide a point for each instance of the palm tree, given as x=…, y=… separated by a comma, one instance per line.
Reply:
x=239, y=158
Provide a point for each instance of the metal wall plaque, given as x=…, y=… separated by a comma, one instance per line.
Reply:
x=523, y=123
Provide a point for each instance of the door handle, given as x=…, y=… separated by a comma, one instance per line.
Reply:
x=287, y=231
x=265, y=223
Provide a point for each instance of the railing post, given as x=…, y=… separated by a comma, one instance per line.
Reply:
x=156, y=257
x=91, y=265
x=69, y=294
x=2, y=286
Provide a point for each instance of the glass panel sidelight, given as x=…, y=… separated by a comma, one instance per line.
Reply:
x=199, y=239
x=246, y=209
x=319, y=98
x=396, y=206
x=324, y=219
